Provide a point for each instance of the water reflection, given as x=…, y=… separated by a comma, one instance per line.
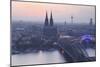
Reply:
x=41, y=57
x=44, y=57
x=90, y=52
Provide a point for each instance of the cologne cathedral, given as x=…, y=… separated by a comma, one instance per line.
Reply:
x=49, y=29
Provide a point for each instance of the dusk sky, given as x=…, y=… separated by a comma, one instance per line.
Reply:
x=35, y=12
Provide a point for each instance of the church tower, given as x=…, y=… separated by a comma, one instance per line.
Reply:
x=91, y=21
x=49, y=30
x=46, y=20
x=51, y=20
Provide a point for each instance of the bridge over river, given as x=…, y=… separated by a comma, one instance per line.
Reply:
x=61, y=52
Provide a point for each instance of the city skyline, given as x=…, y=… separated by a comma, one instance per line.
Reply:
x=40, y=33
x=27, y=11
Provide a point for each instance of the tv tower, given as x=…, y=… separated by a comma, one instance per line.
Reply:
x=72, y=19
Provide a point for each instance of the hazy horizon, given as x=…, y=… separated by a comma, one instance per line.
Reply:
x=35, y=12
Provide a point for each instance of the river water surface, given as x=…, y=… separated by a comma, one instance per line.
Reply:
x=43, y=57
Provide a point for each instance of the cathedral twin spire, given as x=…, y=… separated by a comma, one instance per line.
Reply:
x=47, y=22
